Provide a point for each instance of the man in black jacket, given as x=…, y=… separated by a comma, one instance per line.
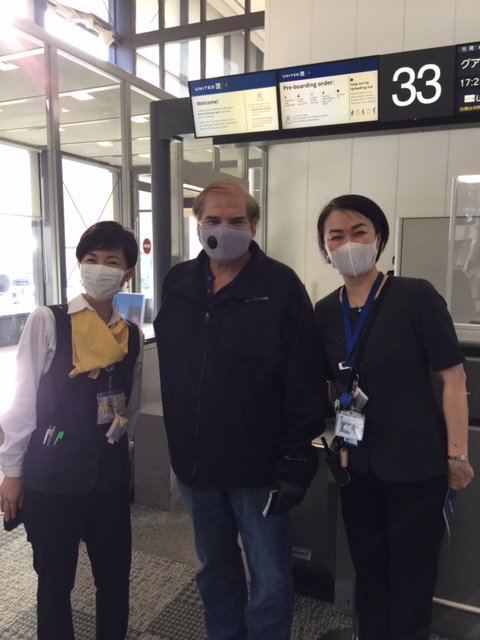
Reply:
x=242, y=394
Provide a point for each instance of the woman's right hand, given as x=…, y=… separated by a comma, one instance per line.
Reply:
x=460, y=474
x=11, y=497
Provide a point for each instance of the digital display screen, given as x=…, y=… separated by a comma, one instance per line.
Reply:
x=467, y=93
x=331, y=93
x=417, y=84
x=234, y=104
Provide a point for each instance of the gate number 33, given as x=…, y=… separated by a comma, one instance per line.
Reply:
x=408, y=74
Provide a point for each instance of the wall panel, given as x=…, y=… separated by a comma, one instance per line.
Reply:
x=429, y=24
x=380, y=27
x=422, y=174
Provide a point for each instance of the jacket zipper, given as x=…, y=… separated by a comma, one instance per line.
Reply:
x=206, y=321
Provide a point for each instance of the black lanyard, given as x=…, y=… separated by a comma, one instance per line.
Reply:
x=352, y=335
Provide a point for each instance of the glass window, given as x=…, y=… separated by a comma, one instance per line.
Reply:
x=256, y=49
x=78, y=28
x=199, y=151
x=256, y=183
x=146, y=16
x=140, y=125
x=191, y=242
x=19, y=9
x=182, y=63
x=22, y=90
x=224, y=8
x=85, y=206
x=90, y=118
x=225, y=54
x=232, y=161
x=145, y=244
x=257, y=5
x=180, y=12
x=20, y=244
x=148, y=64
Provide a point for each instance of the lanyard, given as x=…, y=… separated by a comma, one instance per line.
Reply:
x=351, y=337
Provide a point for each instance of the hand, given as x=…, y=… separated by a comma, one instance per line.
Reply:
x=460, y=474
x=11, y=497
x=288, y=496
x=298, y=466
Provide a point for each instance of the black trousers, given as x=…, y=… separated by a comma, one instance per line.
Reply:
x=394, y=532
x=55, y=525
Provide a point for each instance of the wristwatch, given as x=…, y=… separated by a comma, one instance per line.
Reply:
x=461, y=458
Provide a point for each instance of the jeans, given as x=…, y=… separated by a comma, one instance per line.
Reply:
x=218, y=517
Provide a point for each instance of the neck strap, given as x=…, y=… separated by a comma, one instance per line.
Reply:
x=352, y=335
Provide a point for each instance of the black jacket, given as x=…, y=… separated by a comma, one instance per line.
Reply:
x=83, y=461
x=241, y=378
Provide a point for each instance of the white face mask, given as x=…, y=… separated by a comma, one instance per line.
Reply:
x=224, y=243
x=354, y=259
x=101, y=282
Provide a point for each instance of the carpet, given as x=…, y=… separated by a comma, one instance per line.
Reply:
x=164, y=601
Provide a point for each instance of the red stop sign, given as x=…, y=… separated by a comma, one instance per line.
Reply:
x=147, y=245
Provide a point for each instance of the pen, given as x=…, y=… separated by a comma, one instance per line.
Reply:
x=49, y=433
x=58, y=438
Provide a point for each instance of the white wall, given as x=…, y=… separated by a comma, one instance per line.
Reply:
x=408, y=174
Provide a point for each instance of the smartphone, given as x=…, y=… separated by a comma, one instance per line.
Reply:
x=10, y=525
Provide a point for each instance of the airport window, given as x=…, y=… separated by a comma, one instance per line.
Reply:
x=147, y=64
x=182, y=63
x=180, y=12
x=84, y=207
x=20, y=247
x=225, y=55
x=256, y=50
x=146, y=16
x=85, y=23
x=197, y=39
x=224, y=8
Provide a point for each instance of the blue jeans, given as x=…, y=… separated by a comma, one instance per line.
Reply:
x=218, y=518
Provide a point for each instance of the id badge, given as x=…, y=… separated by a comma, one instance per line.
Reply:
x=359, y=399
x=110, y=403
x=117, y=429
x=350, y=425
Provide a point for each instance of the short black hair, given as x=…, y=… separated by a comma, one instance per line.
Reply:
x=357, y=204
x=108, y=235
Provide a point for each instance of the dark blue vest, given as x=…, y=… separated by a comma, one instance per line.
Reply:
x=82, y=461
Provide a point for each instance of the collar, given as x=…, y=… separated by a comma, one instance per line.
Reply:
x=80, y=302
x=248, y=283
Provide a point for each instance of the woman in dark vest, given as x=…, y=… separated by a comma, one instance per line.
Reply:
x=65, y=454
x=385, y=337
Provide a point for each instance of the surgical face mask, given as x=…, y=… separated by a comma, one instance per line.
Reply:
x=224, y=243
x=354, y=259
x=101, y=282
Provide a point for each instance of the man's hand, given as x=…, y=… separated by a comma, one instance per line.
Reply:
x=287, y=497
x=11, y=497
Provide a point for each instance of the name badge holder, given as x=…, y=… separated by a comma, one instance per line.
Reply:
x=350, y=421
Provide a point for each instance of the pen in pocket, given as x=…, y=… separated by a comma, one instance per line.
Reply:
x=49, y=433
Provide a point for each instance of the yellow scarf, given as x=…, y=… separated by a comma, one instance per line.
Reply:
x=96, y=345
